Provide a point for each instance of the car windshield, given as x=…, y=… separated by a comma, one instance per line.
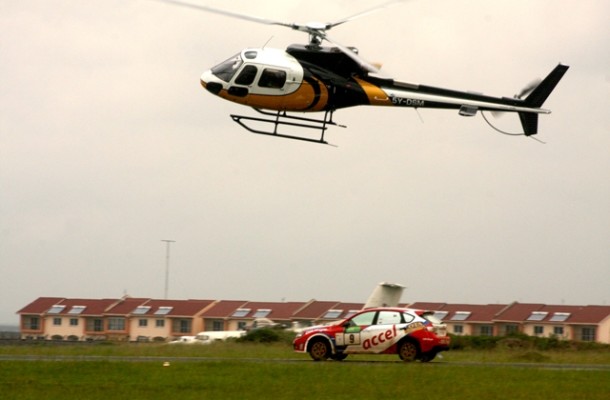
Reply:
x=228, y=68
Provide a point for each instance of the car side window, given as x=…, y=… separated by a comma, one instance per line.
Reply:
x=388, y=318
x=407, y=318
x=363, y=319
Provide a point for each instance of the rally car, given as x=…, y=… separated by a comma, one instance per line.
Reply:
x=412, y=334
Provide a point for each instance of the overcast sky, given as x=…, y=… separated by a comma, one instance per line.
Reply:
x=108, y=145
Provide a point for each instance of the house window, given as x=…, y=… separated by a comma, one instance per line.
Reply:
x=508, y=329
x=73, y=321
x=143, y=323
x=181, y=325
x=241, y=312
x=163, y=310
x=460, y=316
x=160, y=323
x=77, y=310
x=95, y=325
x=261, y=313
x=98, y=325
x=458, y=329
x=57, y=321
x=218, y=325
x=241, y=326
x=116, y=324
x=141, y=310
x=537, y=316
x=558, y=330
x=332, y=314
x=32, y=323
x=587, y=334
x=440, y=314
x=56, y=309
x=487, y=330
x=560, y=317
x=538, y=330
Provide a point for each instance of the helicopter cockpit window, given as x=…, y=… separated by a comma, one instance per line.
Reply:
x=272, y=78
x=246, y=76
x=227, y=69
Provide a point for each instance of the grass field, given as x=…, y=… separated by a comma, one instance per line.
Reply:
x=257, y=371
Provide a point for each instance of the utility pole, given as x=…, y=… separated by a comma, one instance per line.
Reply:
x=167, y=242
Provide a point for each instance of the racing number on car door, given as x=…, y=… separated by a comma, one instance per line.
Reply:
x=350, y=337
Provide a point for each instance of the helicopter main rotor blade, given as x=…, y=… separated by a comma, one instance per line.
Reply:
x=229, y=13
x=363, y=13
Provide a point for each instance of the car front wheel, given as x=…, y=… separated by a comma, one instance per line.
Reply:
x=319, y=350
x=407, y=351
x=339, y=356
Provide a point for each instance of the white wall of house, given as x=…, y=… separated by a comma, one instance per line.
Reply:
x=64, y=326
x=147, y=327
x=603, y=331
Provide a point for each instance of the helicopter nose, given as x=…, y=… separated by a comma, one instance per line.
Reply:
x=209, y=82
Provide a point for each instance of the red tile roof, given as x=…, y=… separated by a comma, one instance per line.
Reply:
x=478, y=312
x=312, y=310
x=125, y=306
x=279, y=310
x=518, y=312
x=92, y=307
x=223, y=308
x=315, y=309
x=590, y=315
x=180, y=308
x=427, y=306
x=40, y=305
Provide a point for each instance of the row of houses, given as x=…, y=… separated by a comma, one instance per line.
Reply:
x=145, y=319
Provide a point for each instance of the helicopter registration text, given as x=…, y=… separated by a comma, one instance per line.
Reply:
x=400, y=101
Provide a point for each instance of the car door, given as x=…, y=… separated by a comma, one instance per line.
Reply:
x=351, y=336
x=382, y=334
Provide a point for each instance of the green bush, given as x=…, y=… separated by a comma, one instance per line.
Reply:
x=267, y=335
x=521, y=341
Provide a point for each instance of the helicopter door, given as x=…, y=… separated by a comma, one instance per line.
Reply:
x=243, y=81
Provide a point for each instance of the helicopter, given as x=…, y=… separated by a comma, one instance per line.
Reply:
x=312, y=78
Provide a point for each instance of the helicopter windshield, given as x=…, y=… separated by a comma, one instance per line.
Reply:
x=228, y=68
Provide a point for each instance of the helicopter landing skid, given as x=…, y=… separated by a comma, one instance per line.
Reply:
x=282, y=118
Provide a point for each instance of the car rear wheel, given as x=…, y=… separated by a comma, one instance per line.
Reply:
x=319, y=350
x=407, y=351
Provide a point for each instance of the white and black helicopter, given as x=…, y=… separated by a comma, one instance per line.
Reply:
x=313, y=78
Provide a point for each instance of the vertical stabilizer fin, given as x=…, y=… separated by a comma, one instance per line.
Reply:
x=385, y=295
x=529, y=121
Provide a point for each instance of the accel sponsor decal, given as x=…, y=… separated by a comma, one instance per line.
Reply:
x=380, y=338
